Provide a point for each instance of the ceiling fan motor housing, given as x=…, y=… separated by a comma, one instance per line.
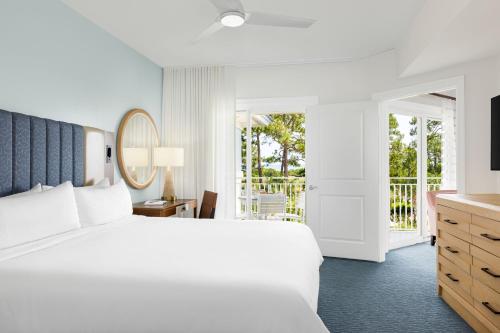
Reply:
x=232, y=19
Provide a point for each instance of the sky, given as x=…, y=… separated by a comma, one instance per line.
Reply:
x=268, y=149
x=404, y=126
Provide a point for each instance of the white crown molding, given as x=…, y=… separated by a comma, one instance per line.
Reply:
x=287, y=63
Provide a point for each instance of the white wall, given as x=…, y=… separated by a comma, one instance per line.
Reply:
x=354, y=81
x=331, y=82
x=56, y=64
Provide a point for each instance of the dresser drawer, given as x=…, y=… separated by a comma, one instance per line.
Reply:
x=487, y=302
x=486, y=234
x=454, y=222
x=486, y=268
x=455, y=250
x=455, y=278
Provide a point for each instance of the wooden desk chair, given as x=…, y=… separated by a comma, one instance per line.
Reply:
x=208, y=205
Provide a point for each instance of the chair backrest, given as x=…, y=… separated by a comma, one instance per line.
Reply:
x=431, y=208
x=300, y=202
x=268, y=204
x=208, y=205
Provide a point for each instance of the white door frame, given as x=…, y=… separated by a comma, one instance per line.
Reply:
x=255, y=106
x=383, y=98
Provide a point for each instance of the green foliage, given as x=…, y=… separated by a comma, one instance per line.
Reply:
x=434, y=146
x=403, y=156
x=299, y=172
x=288, y=131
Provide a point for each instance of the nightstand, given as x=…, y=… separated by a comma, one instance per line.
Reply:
x=168, y=209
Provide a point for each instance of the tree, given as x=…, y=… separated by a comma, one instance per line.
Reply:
x=434, y=146
x=288, y=131
x=410, y=156
x=257, y=133
x=396, y=148
x=403, y=157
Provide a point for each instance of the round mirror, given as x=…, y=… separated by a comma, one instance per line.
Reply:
x=137, y=136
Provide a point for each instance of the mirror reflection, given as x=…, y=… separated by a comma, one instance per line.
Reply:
x=138, y=136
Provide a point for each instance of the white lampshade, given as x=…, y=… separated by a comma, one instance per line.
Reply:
x=136, y=157
x=168, y=157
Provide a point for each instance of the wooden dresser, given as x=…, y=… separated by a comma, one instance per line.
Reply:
x=468, y=257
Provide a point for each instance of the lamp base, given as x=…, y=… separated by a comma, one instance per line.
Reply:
x=170, y=198
x=168, y=188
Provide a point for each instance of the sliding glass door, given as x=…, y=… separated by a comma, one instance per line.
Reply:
x=421, y=160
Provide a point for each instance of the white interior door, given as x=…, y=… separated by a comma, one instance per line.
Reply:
x=343, y=179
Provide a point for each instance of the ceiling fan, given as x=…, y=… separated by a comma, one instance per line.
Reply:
x=232, y=14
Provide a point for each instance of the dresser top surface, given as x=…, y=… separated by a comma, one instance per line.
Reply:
x=486, y=203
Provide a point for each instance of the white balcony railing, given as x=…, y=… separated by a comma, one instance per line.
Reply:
x=292, y=187
x=403, y=196
x=403, y=199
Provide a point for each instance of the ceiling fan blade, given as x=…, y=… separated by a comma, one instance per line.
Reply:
x=258, y=18
x=216, y=26
x=228, y=5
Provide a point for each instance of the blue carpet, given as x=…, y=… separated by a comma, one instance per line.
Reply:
x=398, y=295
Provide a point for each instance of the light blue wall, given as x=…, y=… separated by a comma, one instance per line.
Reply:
x=56, y=64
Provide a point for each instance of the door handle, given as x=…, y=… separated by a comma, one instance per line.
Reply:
x=449, y=276
x=450, y=221
x=312, y=187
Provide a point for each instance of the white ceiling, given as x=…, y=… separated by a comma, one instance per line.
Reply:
x=163, y=30
x=471, y=34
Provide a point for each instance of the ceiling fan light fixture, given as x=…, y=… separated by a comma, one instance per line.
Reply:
x=232, y=19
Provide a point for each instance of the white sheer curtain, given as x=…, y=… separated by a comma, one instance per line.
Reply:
x=199, y=115
x=449, y=149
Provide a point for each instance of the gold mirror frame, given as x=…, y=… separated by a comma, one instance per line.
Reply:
x=121, y=163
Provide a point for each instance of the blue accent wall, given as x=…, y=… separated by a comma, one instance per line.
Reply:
x=56, y=64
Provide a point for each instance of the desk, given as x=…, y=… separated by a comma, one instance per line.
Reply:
x=168, y=209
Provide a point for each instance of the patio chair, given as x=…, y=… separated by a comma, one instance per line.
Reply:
x=300, y=206
x=271, y=205
x=432, y=213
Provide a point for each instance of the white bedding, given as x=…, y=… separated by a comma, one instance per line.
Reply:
x=164, y=275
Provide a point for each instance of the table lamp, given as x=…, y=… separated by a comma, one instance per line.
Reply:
x=135, y=158
x=168, y=157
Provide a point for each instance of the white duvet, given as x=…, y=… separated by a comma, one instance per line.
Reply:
x=164, y=275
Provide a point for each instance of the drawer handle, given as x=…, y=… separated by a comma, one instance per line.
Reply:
x=490, y=237
x=489, y=307
x=450, y=249
x=487, y=271
x=449, y=276
x=450, y=221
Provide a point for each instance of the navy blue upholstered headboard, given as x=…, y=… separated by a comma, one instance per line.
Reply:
x=35, y=150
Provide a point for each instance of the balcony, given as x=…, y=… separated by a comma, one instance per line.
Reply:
x=293, y=189
x=403, y=198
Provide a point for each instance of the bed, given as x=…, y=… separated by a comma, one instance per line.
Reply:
x=144, y=274
x=64, y=268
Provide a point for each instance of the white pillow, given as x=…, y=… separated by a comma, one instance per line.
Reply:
x=36, y=189
x=103, y=205
x=102, y=183
x=28, y=218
